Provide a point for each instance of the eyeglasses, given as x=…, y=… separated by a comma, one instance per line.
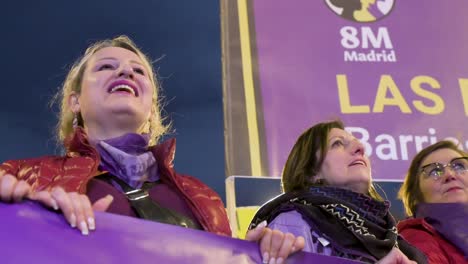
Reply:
x=437, y=170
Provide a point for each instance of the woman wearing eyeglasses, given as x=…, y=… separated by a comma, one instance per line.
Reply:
x=435, y=195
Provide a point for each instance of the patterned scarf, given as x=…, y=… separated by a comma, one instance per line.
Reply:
x=128, y=158
x=352, y=222
x=370, y=226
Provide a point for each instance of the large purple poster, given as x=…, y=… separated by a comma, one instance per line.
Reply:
x=30, y=233
x=394, y=71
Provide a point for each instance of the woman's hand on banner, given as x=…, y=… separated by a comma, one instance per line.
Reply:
x=275, y=246
x=12, y=189
x=76, y=208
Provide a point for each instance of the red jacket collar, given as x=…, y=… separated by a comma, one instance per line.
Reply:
x=415, y=223
x=78, y=142
x=164, y=153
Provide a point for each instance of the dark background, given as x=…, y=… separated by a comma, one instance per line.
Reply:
x=41, y=39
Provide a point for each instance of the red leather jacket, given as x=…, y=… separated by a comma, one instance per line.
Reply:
x=80, y=164
x=422, y=235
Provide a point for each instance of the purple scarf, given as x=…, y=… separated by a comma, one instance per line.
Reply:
x=449, y=219
x=128, y=158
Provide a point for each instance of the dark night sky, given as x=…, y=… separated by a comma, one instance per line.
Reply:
x=40, y=40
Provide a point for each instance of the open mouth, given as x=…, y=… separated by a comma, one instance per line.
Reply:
x=124, y=88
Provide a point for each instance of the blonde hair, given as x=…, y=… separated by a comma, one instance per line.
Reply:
x=72, y=84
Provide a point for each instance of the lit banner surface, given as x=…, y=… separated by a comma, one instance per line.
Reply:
x=396, y=73
x=31, y=234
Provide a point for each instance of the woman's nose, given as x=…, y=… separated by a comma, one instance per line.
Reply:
x=448, y=174
x=358, y=147
x=125, y=71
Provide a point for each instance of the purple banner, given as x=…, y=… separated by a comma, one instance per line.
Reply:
x=31, y=234
x=395, y=71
